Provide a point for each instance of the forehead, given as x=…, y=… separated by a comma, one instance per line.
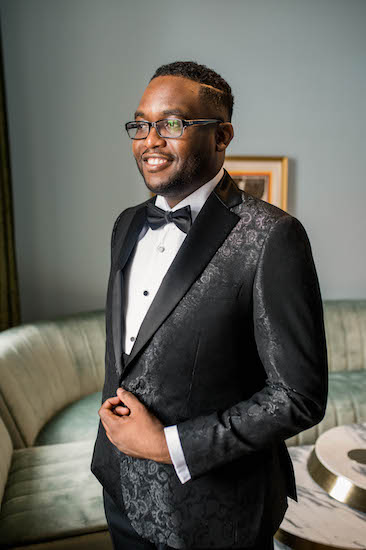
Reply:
x=168, y=95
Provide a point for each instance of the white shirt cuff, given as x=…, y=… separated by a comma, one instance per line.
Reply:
x=176, y=453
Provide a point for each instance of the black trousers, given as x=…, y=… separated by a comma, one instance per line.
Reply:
x=124, y=536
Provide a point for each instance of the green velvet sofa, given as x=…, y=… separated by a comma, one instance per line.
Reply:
x=51, y=377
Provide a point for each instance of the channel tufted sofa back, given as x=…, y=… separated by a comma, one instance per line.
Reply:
x=345, y=326
x=45, y=366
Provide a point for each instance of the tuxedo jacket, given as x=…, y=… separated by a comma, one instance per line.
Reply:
x=232, y=350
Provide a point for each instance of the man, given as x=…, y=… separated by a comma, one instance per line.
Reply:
x=215, y=349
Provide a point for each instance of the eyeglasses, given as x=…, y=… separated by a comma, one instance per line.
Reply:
x=166, y=128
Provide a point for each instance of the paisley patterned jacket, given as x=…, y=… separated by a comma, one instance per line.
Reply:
x=233, y=351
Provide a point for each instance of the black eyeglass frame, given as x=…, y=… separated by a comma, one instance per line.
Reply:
x=185, y=124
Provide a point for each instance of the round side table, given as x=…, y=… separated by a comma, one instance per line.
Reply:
x=318, y=521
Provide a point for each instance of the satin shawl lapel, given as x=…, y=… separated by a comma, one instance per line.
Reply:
x=125, y=242
x=210, y=229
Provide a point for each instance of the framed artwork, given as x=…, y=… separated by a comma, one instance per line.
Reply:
x=262, y=177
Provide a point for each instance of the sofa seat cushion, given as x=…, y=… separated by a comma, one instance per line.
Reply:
x=51, y=494
x=76, y=422
x=346, y=405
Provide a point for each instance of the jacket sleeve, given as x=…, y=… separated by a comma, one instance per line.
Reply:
x=290, y=340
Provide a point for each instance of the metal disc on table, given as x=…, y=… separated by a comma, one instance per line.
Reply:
x=338, y=464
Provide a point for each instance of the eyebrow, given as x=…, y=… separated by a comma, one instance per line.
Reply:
x=167, y=112
x=139, y=114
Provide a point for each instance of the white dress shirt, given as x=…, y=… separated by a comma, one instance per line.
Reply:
x=153, y=254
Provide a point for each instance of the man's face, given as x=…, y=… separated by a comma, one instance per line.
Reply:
x=187, y=162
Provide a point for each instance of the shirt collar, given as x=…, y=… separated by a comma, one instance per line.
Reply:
x=195, y=200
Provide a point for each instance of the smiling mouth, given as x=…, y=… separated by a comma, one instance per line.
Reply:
x=154, y=161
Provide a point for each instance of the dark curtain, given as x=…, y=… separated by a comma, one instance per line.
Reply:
x=9, y=291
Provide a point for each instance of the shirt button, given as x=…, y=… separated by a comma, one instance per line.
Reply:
x=146, y=292
x=161, y=248
x=132, y=338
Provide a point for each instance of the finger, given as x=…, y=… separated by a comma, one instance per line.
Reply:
x=128, y=398
x=107, y=416
x=105, y=428
x=123, y=411
x=108, y=432
x=110, y=402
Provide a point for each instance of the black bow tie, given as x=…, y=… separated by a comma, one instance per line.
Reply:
x=156, y=217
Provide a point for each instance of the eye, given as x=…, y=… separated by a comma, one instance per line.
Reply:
x=141, y=128
x=172, y=123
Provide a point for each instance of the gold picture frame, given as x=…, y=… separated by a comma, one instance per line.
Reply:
x=262, y=177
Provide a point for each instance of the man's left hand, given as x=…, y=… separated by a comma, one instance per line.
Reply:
x=132, y=428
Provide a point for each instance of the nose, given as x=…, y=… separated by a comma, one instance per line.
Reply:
x=153, y=139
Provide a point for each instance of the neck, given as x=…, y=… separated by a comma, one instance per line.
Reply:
x=174, y=200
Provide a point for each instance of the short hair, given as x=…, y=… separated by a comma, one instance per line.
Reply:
x=219, y=97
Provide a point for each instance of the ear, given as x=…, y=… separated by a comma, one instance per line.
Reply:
x=224, y=134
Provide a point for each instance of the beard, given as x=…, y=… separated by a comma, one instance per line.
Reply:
x=184, y=179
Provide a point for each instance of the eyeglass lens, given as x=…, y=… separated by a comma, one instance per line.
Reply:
x=168, y=127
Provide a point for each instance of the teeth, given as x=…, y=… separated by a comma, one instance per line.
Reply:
x=155, y=160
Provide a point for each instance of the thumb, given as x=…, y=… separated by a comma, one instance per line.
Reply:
x=127, y=398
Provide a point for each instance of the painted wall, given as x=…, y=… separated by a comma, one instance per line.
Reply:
x=75, y=70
